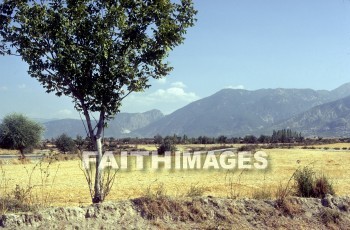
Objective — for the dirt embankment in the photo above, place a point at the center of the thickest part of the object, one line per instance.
(185, 213)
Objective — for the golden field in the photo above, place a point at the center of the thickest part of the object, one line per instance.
(69, 186)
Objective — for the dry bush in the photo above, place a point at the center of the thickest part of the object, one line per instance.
(232, 184)
(323, 186)
(165, 207)
(12, 205)
(158, 192)
(28, 196)
(195, 191)
(21, 161)
(287, 207)
(282, 201)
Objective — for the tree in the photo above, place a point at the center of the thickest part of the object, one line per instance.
(96, 52)
(222, 139)
(250, 139)
(65, 144)
(158, 139)
(168, 144)
(18, 132)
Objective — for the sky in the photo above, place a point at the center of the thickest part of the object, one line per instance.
(242, 44)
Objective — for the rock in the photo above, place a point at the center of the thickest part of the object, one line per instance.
(327, 201)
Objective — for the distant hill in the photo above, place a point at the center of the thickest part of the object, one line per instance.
(233, 112)
(121, 126)
(237, 112)
(327, 120)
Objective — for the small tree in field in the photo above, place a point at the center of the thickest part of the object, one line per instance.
(18, 132)
(167, 145)
(65, 144)
(96, 52)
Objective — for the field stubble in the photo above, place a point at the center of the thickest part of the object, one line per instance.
(70, 187)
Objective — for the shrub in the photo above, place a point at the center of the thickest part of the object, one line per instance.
(304, 179)
(12, 205)
(309, 185)
(323, 187)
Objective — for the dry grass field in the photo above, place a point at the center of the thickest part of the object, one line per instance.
(65, 184)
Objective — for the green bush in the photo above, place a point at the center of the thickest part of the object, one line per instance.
(304, 179)
(308, 184)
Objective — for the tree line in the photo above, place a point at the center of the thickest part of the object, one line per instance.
(279, 136)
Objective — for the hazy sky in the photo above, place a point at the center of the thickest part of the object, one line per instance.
(248, 44)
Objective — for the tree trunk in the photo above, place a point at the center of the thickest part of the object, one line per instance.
(98, 196)
(97, 142)
(22, 154)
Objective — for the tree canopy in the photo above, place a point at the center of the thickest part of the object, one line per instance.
(96, 52)
(65, 144)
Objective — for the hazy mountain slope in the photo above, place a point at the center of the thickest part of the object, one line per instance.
(239, 112)
(330, 119)
(120, 126)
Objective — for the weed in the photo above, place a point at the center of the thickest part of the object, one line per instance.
(167, 208)
(46, 182)
(262, 194)
(108, 178)
(195, 190)
(158, 192)
(232, 185)
(27, 197)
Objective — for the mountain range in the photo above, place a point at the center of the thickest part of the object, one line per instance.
(235, 112)
(120, 126)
